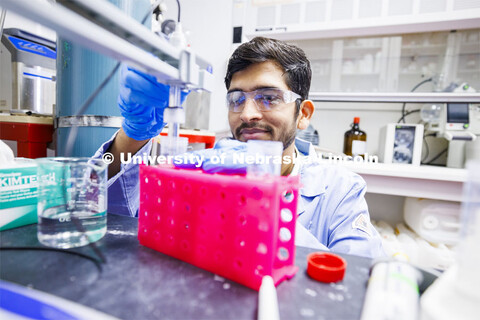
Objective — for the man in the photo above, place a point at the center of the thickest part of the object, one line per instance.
(268, 83)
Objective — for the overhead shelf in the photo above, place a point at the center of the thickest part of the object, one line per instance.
(411, 181)
(395, 97)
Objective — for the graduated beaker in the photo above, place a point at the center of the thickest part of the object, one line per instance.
(72, 201)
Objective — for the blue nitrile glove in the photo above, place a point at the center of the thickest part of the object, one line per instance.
(142, 100)
(223, 151)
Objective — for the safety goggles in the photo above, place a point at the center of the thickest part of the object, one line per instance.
(265, 99)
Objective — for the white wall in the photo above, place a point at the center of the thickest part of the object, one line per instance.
(209, 27)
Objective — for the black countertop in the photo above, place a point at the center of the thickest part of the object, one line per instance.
(139, 283)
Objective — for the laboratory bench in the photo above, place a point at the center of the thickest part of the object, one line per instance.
(139, 283)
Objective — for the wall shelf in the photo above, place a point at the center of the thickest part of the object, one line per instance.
(411, 181)
(361, 74)
(395, 97)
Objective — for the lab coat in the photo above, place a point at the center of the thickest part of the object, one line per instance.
(332, 213)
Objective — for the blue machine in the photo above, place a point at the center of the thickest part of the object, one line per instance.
(27, 61)
(79, 73)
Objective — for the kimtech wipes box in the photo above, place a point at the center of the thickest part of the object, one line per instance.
(18, 193)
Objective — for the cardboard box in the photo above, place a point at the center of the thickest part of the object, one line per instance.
(18, 194)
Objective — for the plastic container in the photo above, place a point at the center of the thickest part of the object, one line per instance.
(239, 228)
(436, 221)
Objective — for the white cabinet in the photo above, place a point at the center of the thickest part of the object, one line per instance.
(309, 19)
(394, 63)
(363, 66)
(390, 45)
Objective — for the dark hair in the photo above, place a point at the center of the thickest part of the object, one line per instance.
(290, 58)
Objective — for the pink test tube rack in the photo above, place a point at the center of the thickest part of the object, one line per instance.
(236, 227)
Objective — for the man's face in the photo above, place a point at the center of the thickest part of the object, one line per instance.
(278, 124)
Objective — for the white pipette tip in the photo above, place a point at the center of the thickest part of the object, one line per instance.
(267, 300)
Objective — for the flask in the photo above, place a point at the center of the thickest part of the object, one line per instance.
(355, 140)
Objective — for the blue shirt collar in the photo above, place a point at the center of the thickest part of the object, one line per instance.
(305, 147)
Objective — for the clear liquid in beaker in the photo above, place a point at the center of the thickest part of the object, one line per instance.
(72, 201)
(70, 229)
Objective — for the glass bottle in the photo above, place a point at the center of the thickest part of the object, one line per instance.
(355, 140)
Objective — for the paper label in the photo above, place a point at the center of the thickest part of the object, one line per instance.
(358, 147)
(18, 187)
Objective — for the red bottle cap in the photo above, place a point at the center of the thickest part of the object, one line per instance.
(356, 120)
(326, 267)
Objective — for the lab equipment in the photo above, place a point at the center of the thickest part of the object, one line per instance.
(430, 113)
(102, 27)
(28, 66)
(31, 134)
(326, 266)
(472, 150)
(392, 292)
(87, 113)
(436, 221)
(455, 294)
(263, 158)
(238, 228)
(459, 124)
(227, 157)
(267, 300)
(355, 140)
(173, 144)
(401, 143)
(72, 201)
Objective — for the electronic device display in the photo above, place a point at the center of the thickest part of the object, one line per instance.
(457, 113)
(401, 143)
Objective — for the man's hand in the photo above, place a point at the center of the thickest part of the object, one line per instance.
(220, 159)
(142, 101)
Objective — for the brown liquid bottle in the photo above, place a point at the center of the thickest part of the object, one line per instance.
(355, 140)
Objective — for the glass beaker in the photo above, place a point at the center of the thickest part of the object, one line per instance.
(72, 201)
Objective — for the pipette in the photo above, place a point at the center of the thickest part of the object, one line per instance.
(174, 115)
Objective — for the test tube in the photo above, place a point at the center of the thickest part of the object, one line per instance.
(264, 157)
(174, 115)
